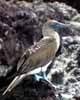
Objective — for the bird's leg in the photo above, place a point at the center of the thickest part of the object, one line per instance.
(38, 77)
(44, 76)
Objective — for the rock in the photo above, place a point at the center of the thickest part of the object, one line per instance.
(74, 25)
(67, 11)
(31, 90)
(19, 27)
(57, 11)
(76, 18)
(4, 70)
(77, 98)
(67, 65)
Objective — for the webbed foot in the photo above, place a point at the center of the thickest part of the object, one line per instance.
(37, 77)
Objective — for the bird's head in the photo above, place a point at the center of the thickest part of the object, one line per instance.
(51, 26)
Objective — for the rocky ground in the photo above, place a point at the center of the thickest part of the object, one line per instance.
(20, 24)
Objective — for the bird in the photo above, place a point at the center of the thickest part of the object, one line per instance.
(37, 56)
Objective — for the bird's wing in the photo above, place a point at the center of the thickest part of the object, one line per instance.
(24, 57)
(39, 58)
(27, 54)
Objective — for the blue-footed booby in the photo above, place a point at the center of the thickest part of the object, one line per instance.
(38, 55)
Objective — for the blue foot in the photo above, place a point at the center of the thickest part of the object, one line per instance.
(37, 77)
(43, 77)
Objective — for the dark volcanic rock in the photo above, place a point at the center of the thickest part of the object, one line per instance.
(31, 90)
(67, 66)
(19, 27)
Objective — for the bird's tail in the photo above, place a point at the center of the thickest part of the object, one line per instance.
(14, 83)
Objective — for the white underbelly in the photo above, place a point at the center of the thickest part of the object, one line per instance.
(39, 69)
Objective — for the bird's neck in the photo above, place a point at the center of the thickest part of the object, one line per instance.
(51, 33)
